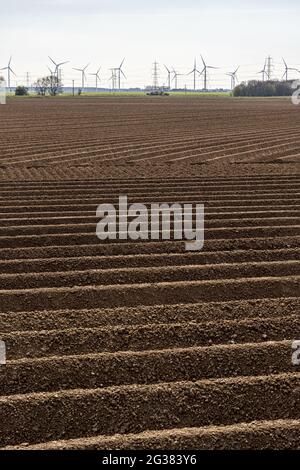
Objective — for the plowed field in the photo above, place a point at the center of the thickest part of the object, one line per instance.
(142, 345)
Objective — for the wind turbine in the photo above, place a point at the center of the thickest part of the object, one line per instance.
(96, 74)
(57, 66)
(175, 77)
(264, 72)
(119, 71)
(234, 78)
(204, 71)
(9, 71)
(83, 75)
(194, 71)
(169, 77)
(287, 70)
(113, 79)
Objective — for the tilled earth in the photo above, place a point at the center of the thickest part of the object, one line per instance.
(142, 345)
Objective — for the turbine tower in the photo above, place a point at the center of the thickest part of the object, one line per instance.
(285, 75)
(195, 71)
(83, 75)
(120, 72)
(169, 77)
(58, 66)
(9, 71)
(113, 79)
(96, 75)
(204, 72)
(234, 77)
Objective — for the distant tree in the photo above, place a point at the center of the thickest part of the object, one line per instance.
(270, 90)
(54, 85)
(41, 86)
(21, 91)
(240, 90)
(2, 81)
(50, 84)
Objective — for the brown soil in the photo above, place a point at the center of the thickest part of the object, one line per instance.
(141, 345)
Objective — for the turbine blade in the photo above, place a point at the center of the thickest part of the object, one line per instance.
(122, 63)
(12, 71)
(86, 66)
(203, 62)
(52, 61)
(123, 74)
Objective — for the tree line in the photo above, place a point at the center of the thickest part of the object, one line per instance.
(267, 88)
(49, 85)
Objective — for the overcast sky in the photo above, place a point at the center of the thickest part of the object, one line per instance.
(102, 32)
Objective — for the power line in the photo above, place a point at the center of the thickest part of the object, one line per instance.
(155, 75)
(269, 67)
